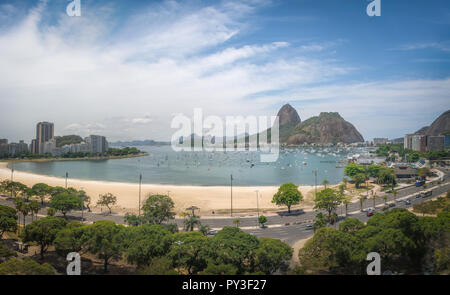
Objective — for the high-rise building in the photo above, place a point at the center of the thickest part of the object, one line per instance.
(418, 143)
(407, 142)
(435, 143)
(4, 147)
(33, 147)
(44, 132)
(17, 148)
(98, 144)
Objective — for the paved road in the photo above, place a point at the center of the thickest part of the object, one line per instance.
(286, 228)
(292, 233)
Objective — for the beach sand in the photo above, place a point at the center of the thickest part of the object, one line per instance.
(207, 198)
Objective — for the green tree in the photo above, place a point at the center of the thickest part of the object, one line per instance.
(27, 266)
(51, 212)
(320, 221)
(353, 169)
(34, 207)
(145, 242)
(158, 266)
(236, 222)
(5, 253)
(325, 182)
(65, 202)
(104, 238)
(262, 220)
(233, 246)
(43, 231)
(219, 269)
(190, 252)
(351, 225)
(70, 239)
(133, 219)
(359, 179)
(272, 255)
(191, 222)
(347, 201)
(158, 209)
(287, 195)
(8, 220)
(42, 190)
(327, 200)
(333, 251)
(22, 207)
(107, 200)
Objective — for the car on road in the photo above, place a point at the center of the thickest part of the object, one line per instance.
(420, 182)
(309, 226)
(426, 194)
(391, 205)
(370, 212)
(211, 232)
(408, 202)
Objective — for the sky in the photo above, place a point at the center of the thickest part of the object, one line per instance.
(124, 69)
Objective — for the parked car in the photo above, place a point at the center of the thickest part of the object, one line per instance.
(408, 202)
(309, 226)
(391, 205)
(369, 213)
(211, 232)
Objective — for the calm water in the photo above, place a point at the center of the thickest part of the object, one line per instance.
(164, 166)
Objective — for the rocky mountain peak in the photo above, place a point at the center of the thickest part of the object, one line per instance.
(288, 115)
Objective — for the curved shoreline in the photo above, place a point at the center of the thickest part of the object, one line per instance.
(207, 198)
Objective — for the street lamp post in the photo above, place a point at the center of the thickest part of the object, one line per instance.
(140, 184)
(82, 204)
(315, 182)
(12, 171)
(67, 175)
(257, 206)
(231, 186)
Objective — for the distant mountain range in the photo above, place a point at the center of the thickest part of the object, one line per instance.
(148, 142)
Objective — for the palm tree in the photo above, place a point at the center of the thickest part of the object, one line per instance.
(347, 201)
(34, 208)
(204, 229)
(191, 222)
(374, 196)
(361, 201)
(236, 222)
(325, 182)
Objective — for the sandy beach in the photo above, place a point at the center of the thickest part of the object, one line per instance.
(207, 198)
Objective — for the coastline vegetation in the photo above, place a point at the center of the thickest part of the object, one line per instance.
(112, 153)
(386, 150)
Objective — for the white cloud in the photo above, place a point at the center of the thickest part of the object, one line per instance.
(125, 79)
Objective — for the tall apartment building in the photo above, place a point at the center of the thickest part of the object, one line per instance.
(419, 143)
(435, 143)
(407, 142)
(4, 147)
(44, 132)
(17, 148)
(98, 144)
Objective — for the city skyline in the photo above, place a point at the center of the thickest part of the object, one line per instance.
(249, 59)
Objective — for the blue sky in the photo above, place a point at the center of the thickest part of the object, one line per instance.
(125, 68)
